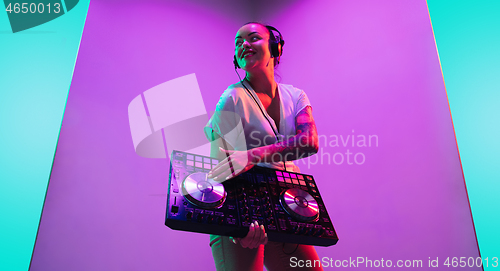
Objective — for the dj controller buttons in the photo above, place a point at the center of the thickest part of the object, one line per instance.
(294, 181)
(207, 166)
(300, 177)
(302, 183)
(214, 162)
(286, 174)
(190, 163)
(190, 157)
(279, 173)
(280, 179)
(293, 175)
(199, 164)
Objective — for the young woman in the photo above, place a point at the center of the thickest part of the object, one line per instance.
(259, 122)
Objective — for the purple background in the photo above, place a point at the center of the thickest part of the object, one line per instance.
(367, 66)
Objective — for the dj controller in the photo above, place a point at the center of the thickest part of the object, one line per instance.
(288, 204)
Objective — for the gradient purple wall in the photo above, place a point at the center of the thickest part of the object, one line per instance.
(368, 67)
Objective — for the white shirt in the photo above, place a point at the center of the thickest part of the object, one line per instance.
(239, 120)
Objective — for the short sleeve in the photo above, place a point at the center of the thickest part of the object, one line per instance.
(225, 122)
(302, 102)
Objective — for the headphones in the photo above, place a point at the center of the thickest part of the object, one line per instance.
(275, 45)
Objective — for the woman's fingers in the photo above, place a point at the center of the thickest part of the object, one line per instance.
(231, 166)
(255, 242)
(263, 236)
(220, 171)
(223, 166)
(247, 240)
(256, 236)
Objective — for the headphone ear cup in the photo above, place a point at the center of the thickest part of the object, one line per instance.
(275, 50)
(235, 62)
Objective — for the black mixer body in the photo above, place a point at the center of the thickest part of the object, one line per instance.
(288, 204)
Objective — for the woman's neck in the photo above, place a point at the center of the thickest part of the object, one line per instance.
(262, 82)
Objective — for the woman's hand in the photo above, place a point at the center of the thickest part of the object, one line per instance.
(235, 163)
(256, 236)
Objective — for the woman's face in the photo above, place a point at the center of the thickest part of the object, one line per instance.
(252, 47)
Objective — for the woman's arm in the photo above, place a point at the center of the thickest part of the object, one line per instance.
(303, 144)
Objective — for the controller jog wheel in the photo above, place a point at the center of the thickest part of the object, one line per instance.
(202, 191)
(299, 204)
